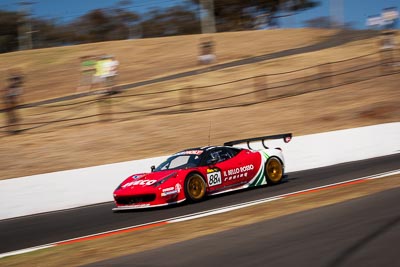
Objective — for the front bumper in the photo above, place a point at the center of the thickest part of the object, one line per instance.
(145, 206)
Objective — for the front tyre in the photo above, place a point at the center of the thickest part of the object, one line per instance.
(195, 187)
(273, 171)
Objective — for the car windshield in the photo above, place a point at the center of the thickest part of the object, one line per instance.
(180, 161)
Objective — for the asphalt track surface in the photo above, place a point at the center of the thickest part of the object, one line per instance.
(35, 230)
(360, 232)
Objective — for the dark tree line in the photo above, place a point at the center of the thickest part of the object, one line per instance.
(235, 15)
(118, 22)
(8, 31)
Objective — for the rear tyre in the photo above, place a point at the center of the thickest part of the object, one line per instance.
(195, 188)
(273, 171)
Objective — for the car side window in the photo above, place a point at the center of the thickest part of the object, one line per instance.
(220, 154)
(233, 151)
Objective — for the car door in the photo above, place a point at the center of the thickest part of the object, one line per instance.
(249, 163)
(223, 169)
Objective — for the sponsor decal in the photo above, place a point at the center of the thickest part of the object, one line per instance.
(173, 190)
(141, 205)
(287, 139)
(178, 187)
(165, 194)
(212, 170)
(190, 152)
(214, 178)
(237, 173)
(138, 176)
(139, 182)
(168, 189)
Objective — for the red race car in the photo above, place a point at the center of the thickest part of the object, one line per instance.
(193, 174)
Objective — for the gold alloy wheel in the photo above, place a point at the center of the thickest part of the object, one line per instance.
(196, 187)
(274, 170)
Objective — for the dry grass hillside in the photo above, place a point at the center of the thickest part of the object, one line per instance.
(134, 135)
(55, 71)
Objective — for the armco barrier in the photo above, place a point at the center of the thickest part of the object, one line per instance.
(79, 187)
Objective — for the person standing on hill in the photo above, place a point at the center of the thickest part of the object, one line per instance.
(100, 71)
(106, 70)
(207, 51)
(88, 64)
(110, 77)
(11, 97)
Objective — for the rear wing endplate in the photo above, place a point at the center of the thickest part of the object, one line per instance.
(286, 138)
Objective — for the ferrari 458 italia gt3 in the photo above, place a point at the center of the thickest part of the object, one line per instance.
(195, 173)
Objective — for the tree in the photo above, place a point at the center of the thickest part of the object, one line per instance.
(233, 15)
(9, 31)
(94, 26)
(319, 22)
(325, 23)
(97, 25)
(123, 21)
(118, 22)
(47, 33)
(176, 20)
(104, 25)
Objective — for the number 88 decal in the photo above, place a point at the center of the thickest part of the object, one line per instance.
(214, 178)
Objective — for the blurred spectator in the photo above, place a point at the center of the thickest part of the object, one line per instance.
(388, 47)
(88, 69)
(100, 70)
(12, 93)
(111, 72)
(207, 55)
(388, 40)
(106, 73)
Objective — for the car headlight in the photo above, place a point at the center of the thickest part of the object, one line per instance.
(163, 180)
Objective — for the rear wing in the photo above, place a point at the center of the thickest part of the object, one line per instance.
(286, 138)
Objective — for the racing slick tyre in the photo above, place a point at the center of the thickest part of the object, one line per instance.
(195, 187)
(273, 171)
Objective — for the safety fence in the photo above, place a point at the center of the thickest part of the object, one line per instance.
(130, 104)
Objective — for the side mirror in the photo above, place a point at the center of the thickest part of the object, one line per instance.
(153, 168)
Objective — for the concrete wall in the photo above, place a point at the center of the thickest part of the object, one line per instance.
(79, 187)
